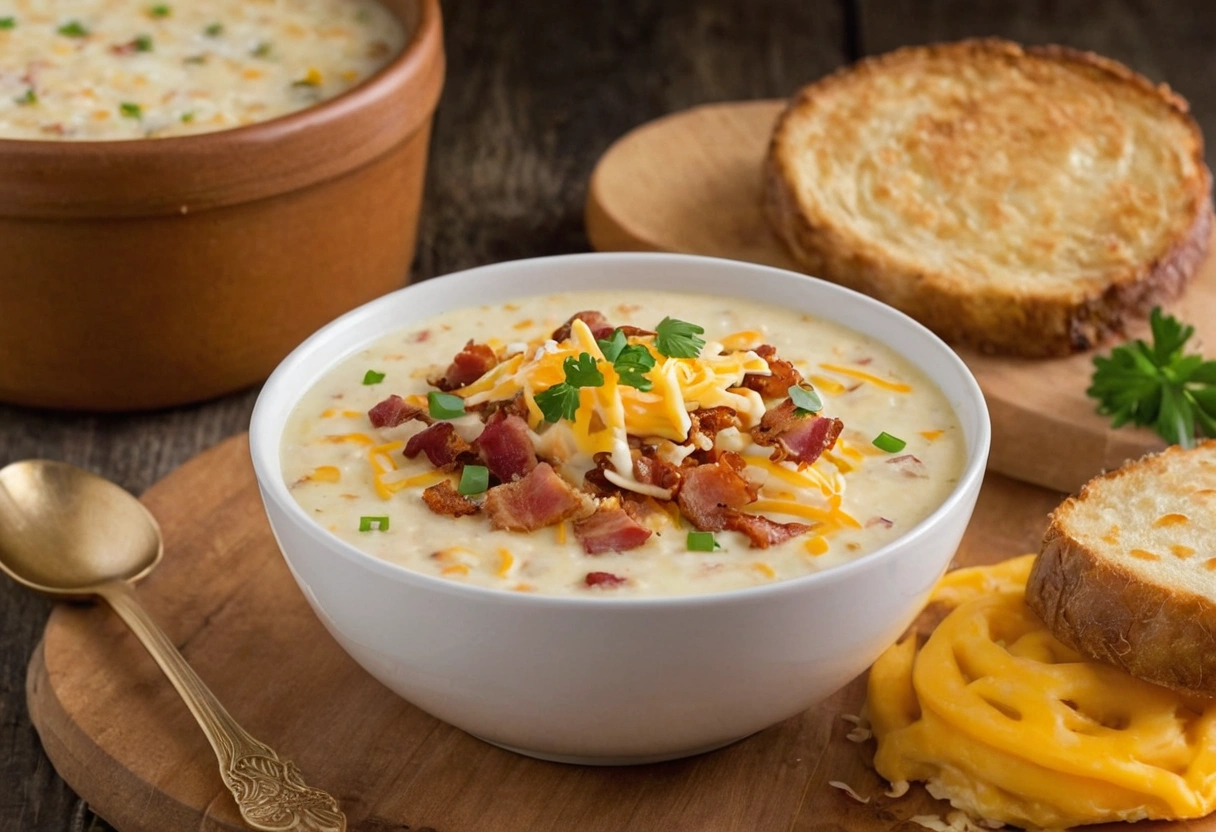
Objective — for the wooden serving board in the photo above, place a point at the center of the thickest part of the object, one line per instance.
(692, 183)
(118, 734)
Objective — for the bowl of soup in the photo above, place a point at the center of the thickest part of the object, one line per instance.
(191, 189)
(619, 508)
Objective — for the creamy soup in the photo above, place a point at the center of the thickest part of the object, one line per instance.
(689, 462)
(130, 69)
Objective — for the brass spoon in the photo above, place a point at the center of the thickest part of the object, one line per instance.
(70, 534)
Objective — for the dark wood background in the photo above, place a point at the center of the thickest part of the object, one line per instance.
(535, 92)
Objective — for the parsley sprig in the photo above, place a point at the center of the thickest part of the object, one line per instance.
(678, 339)
(1157, 385)
(561, 400)
(631, 361)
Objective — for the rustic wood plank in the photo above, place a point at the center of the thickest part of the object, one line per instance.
(1165, 41)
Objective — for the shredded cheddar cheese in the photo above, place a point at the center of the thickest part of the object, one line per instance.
(862, 375)
(1012, 726)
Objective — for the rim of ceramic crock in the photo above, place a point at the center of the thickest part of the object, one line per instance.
(153, 177)
(265, 438)
(406, 63)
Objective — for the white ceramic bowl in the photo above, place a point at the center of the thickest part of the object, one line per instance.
(615, 680)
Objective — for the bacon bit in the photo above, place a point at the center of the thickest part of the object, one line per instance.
(542, 498)
(709, 490)
(442, 445)
(421, 336)
(650, 470)
(604, 579)
(394, 411)
(506, 446)
(610, 529)
(443, 499)
(879, 521)
(783, 377)
(800, 438)
(128, 48)
(847, 789)
(761, 531)
(910, 466)
(708, 422)
(595, 321)
(468, 365)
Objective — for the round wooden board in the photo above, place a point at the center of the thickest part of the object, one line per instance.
(118, 734)
(692, 183)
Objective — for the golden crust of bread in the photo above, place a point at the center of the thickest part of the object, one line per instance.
(1025, 201)
(1109, 582)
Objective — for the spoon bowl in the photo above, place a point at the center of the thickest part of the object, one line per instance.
(70, 534)
(64, 532)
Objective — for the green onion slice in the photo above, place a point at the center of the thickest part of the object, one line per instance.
(805, 400)
(891, 444)
(444, 405)
(367, 524)
(474, 479)
(372, 377)
(702, 542)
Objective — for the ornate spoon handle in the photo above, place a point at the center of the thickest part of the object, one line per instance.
(269, 792)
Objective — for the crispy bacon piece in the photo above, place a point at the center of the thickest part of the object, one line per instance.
(514, 406)
(610, 529)
(709, 491)
(442, 498)
(604, 579)
(395, 411)
(707, 422)
(784, 375)
(650, 470)
(595, 321)
(761, 531)
(506, 447)
(441, 443)
(540, 499)
(800, 438)
(470, 364)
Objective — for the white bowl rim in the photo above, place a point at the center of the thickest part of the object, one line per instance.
(273, 487)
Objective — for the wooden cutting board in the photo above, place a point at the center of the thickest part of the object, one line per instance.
(692, 183)
(117, 733)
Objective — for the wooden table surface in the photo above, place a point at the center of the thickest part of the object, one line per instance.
(535, 92)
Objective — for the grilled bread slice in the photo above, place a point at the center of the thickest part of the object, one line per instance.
(1127, 572)
(1024, 201)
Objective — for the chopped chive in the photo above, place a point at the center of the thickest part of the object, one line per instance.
(444, 405)
(702, 542)
(187, 117)
(131, 110)
(806, 400)
(474, 479)
(160, 10)
(73, 29)
(214, 30)
(262, 50)
(8, 22)
(143, 43)
(891, 444)
(30, 97)
(367, 524)
(195, 59)
(372, 377)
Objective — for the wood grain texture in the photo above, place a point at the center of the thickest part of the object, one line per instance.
(535, 93)
(117, 731)
(691, 182)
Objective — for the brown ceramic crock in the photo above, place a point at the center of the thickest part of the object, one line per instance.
(140, 274)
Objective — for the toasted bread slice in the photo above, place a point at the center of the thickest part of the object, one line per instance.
(1127, 572)
(1024, 201)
